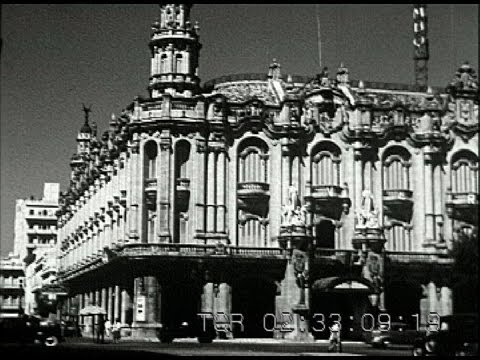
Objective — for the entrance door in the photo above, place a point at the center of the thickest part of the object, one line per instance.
(346, 307)
(253, 298)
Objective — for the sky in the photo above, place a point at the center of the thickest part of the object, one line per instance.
(56, 57)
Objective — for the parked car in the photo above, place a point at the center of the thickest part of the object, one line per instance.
(70, 329)
(398, 334)
(457, 336)
(30, 329)
(202, 329)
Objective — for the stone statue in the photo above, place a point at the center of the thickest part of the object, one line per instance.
(288, 212)
(367, 215)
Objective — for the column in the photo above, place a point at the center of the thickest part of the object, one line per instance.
(222, 303)
(200, 188)
(116, 305)
(211, 167)
(438, 202)
(104, 300)
(135, 193)
(358, 176)
(110, 304)
(446, 302)
(163, 189)
(286, 181)
(147, 300)
(429, 216)
(126, 305)
(221, 191)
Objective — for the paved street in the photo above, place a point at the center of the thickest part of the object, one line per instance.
(241, 347)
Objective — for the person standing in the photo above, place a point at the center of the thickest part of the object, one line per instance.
(108, 328)
(116, 331)
(101, 330)
(335, 341)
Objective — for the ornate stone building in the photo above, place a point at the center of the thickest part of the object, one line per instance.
(259, 193)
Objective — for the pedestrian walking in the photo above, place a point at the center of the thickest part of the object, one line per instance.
(335, 341)
(101, 330)
(116, 331)
(108, 328)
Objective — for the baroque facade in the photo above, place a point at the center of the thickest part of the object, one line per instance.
(255, 194)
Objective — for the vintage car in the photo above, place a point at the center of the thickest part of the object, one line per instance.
(202, 329)
(398, 334)
(457, 335)
(27, 329)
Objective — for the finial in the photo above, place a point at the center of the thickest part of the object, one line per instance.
(86, 111)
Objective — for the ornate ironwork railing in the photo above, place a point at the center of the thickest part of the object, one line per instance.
(417, 257)
(253, 186)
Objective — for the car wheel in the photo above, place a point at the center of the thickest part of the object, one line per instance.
(51, 341)
(204, 340)
(417, 351)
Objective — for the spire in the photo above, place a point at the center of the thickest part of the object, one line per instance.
(174, 48)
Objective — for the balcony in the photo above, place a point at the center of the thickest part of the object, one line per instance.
(37, 217)
(327, 200)
(38, 231)
(253, 196)
(463, 206)
(151, 192)
(182, 193)
(398, 203)
(417, 257)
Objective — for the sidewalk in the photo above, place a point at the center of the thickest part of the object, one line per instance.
(89, 339)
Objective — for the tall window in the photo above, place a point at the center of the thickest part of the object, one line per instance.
(182, 155)
(179, 63)
(253, 167)
(464, 172)
(163, 64)
(182, 187)
(253, 161)
(325, 167)
(396, 169)
(151, 159)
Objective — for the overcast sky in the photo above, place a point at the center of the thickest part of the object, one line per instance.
(54, 57)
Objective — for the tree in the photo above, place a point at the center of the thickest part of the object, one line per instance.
(465, 273)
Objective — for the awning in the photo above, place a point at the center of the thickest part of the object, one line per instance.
(343, 284)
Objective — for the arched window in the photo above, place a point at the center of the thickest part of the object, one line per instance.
(396, 169)
(464, 172)
(325, 234)
(182, 186)
(163, 64)
(182, 154)
(253, 161)
(253, 178)
(150, 156)
(325, 161)
(179, 63)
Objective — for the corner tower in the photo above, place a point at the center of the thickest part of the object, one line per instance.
(174, 48)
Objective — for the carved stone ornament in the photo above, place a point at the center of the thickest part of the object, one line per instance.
(367, 215)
